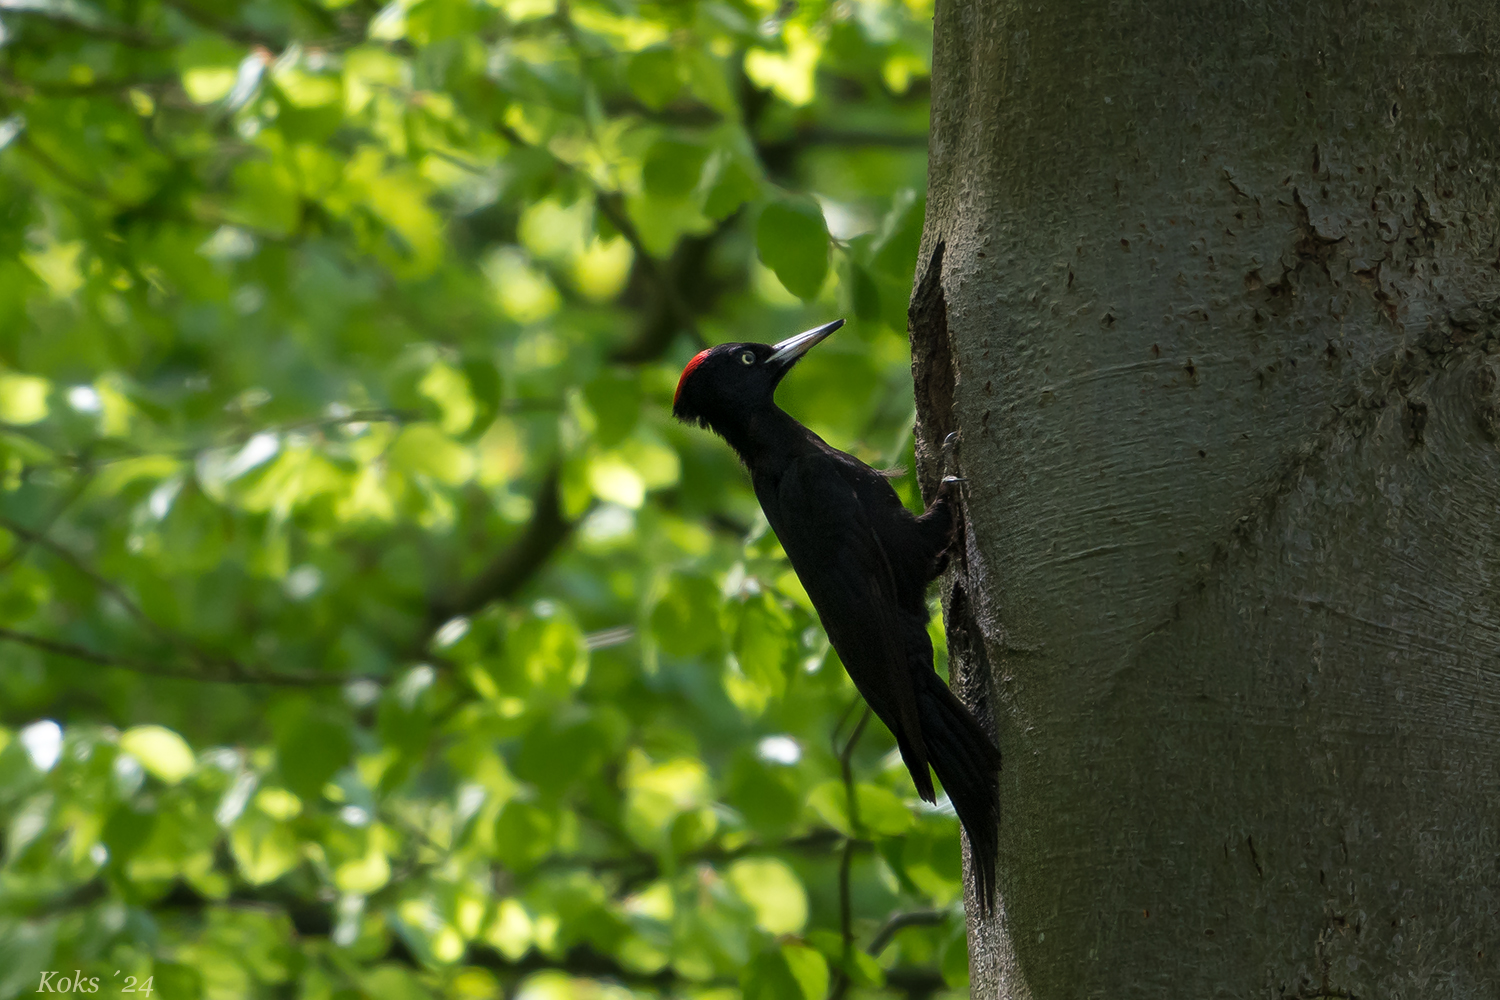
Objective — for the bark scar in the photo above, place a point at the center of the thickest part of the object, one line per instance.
(934, 375)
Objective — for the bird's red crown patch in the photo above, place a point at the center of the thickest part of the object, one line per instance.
(686, 371)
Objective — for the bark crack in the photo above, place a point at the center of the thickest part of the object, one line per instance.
(934, 375)
(1471, 333)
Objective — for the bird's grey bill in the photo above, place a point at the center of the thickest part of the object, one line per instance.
(793, 348)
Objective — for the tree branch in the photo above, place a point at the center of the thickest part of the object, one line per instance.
(210, 667)
(611, 205)
(897, 922)
(509, 571)
(25, 89)
(24, 544)
(108, 32)
(59, 648)
(215, 23)
(846, 857)
(100, 582)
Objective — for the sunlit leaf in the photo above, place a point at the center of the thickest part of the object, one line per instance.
(263, 848)
(23, 398)
(878, 809)
(426, 450)
(773, 891)
(160, 751)
(786, 972)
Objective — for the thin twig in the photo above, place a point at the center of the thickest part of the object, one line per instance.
(25, 89)
(846, 858)
(611, 206)
(83, 653)
(62, 173)
(24, 543)
(244, 434)
(211, 666)
(897, 922)
(109, 32)
(213, 22)
(99, 580)
(504, 576)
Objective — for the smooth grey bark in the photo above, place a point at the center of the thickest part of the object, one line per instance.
(1211, 289)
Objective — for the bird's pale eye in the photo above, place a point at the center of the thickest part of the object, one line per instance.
(747, 357)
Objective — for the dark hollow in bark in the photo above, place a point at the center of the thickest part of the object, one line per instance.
(1212, 291)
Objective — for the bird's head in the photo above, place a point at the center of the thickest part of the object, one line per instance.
(725, 384)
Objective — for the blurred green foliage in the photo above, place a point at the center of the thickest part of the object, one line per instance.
(369, 628)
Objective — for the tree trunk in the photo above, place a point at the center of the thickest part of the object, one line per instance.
(1212, 291)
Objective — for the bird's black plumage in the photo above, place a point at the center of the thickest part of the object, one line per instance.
(865, 561)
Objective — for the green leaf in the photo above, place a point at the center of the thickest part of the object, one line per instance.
(510, 930)
(125, 830)
(447, 387)
(23, 398)
(161, 752)
(524, 834)
(685, 621)
(894, 252)
(731, 180)
(953, 960)
(173, 980)
(290, 361)
(709, 82)
(263, 848)
(658, 793)
(310, 751)
(424, 449)
(763, 643)
(654, 76)
(26, 946)
(560, 750)
(880, 811)
(209, 65)
(829, 801)
(766, 795)
(786, 972)
(266, 196)
(792, 239)
(672, 167)
(367, 869)
(545, 652)
(773, 891)
(612, 478)
(866, 971)
(615, 399)
(863, 292)
(808, 968)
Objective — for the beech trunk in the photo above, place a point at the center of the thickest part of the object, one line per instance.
(1211, 291)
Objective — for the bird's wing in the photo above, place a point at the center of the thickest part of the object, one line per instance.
(842, 564)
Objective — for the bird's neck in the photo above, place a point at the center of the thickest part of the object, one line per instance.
(768, 436)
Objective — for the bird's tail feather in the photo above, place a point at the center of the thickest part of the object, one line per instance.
(968, 765)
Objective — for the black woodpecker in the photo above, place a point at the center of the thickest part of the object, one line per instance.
(865, 561)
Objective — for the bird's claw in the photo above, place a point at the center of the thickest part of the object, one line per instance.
(950, 455)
